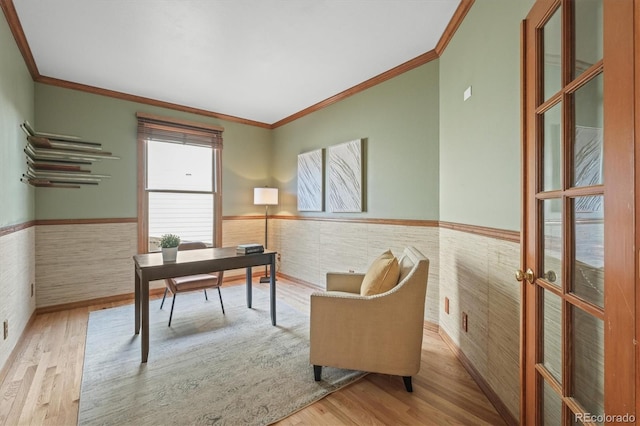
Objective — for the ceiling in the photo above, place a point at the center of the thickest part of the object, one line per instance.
(259, 60)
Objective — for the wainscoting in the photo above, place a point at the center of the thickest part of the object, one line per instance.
(310, 248)
(77, 262)
(472, 267)
(17, 273)
(477, 276)
(85, 261)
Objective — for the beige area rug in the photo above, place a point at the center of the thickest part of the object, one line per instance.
(207, 368)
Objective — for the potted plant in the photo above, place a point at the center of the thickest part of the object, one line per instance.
(169, 244)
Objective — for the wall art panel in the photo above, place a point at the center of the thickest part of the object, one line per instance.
(345, 177)
(310, 181)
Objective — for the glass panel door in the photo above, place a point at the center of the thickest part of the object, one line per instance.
(571, 141)
(567, 189)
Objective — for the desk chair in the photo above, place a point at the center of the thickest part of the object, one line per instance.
(192, 282)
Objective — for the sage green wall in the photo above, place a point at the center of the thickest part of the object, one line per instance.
(399, 120)
(16, 106)
(480, 138)
(112, 122)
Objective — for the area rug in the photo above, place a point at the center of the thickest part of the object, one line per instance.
(207, 368)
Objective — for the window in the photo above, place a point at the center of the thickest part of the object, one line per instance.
(179, 181)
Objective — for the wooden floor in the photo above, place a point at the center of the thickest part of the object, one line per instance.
(42, 386)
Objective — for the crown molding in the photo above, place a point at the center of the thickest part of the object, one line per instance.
(456, 21)
(147, 101)
(387, 75)
(429, 56)
(18, 34)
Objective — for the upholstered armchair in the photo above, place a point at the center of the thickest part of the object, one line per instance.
(380, 333)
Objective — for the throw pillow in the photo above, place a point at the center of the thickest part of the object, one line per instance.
(382, 275)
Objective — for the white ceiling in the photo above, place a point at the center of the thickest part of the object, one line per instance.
(261, 60)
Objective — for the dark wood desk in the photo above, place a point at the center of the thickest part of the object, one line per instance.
(149, 267)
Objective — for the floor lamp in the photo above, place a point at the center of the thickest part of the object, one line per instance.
(265, 197)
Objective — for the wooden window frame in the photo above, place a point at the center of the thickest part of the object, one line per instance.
(188, 132)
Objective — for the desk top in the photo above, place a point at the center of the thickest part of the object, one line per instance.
(189, 262)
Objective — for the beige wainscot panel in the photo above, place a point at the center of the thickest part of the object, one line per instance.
(504, 322)
(243, 231)
(79, 262)
(425, 239)
(476, 274)
(311, 248)
(17, 273)
(299, 245)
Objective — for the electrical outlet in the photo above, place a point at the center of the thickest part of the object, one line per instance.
(465, 322)
(446, 305)
(6, 329)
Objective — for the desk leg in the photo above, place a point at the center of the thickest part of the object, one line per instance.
(272, 289)
(249, 288)
(144, 289)
(137, 309)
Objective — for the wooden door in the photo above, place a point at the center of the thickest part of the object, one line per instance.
(579, 207)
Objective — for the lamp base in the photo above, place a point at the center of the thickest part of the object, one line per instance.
(265, 280)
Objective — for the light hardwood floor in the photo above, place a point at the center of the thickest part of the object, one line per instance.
(42, 385)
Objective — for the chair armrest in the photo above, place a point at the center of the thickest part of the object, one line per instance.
(344, 281)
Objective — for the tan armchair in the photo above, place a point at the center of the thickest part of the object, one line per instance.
(380, 333)
(192, 282)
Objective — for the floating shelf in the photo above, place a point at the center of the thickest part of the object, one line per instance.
(61, 161)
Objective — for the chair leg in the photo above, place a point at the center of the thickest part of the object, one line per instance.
(407, 383)
(221, 304)
(317, 372)
(205, 295)
(171, 313)
(165, 295)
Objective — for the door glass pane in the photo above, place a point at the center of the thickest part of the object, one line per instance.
(588, 362)
(552, 240)
(190, 216)
(552, 344)
(551, 406)
(552, 55)
(588, 34)
(587, 146)
(552, 178)
(588, 230)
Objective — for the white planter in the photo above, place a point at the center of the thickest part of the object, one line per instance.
(169, 254)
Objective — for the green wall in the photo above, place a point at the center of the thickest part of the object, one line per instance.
(480, 138)
(429, 155)
(112, 122)
(16, 106)
(399, 121)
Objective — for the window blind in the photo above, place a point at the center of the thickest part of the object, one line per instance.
(161, 129)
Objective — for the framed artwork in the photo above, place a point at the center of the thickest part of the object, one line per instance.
(344, 163)
(310, 181)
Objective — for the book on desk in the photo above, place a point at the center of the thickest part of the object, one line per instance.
(249, 248)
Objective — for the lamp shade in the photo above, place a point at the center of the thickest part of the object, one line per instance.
(265, 196)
